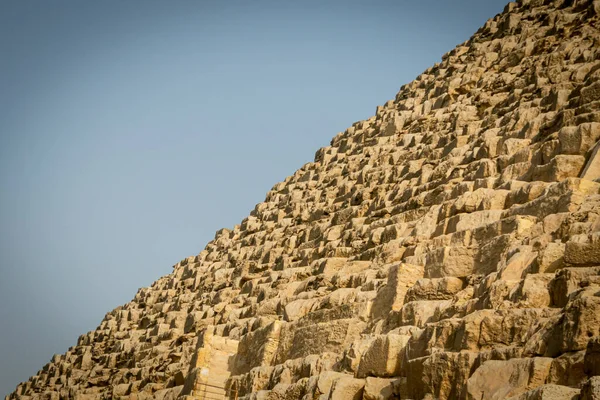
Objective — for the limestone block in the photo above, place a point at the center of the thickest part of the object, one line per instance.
(568, 281)
(591, 361)
(560, 168)
(551, 258)
(592, 167)
(302, 339)
(392, 125)
(330, 266)
(159, 330)
(418, 313)
(168, 394)
(568, 370)
(86, 360)
(258, 348)
(334, 233)
(347, 388)
(441, 375)
(384, 357)
(579, 139)
(549, 392)
(496, 379)
(591, 389)
(487, 328)
(255, 380)
(352, 267)
(558, 99)
(391, 297)
(435, 289)
(120, 390)
(590, 93)
(379, 388)
(579, 322)
(533, 291)
(455, 261)
(470, 221)
(326, 379)
(582, 253)
(491, 199)
(299, 308)
(519, 262)
(194, 321)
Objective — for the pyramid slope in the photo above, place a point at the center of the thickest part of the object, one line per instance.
(446, 247)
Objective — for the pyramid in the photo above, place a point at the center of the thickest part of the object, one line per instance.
(446, 248)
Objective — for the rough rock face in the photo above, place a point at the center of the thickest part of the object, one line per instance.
(448, 247)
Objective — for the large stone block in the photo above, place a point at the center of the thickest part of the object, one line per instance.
(549, 392)
(419, 313)
(498, 379)
(592, 168)
(441, 375)
(582, 253)
(455, 261)
(579, 139)
(591, 389)
(299, 340)
(384, 357)
(435, 289)
(381, 389)
(572, 330)
(258, 348)
(391, 297)
(347, 388)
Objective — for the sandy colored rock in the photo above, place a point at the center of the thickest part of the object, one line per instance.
(497, 379)
(445, 248)
(347, 388)
(379, 389)
(549, 392)
(591, 389)
(384, 357)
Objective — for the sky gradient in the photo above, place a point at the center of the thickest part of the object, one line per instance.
(130, 131)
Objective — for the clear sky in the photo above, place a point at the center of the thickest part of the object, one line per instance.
(132, 130)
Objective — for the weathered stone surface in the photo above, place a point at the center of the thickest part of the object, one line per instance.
(448, 247)
(384, 357)
(258, 348)
(582, 253)
(591, 389)
(592, 168)
(549, 392)
(591, 362)
(380, 389)
(391, 297)
(497, 379)
(347, 388)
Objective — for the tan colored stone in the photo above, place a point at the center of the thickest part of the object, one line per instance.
(440, 249)
(549, 392)
(258, 348)
(379, 389)
(347, 388)
(455, 261)
(578, 140)
(582, 253)
(391, 297)
(592, 168)
(384, 357)
(496, 379)
(591, 389)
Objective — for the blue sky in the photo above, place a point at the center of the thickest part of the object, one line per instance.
(132, 130)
